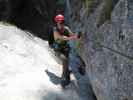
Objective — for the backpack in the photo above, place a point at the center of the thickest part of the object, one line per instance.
(50, 35)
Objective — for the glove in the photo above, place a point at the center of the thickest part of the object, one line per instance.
(79, 34)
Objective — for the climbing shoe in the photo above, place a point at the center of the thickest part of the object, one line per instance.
(65, 78)
(81, 70)
(64, 83)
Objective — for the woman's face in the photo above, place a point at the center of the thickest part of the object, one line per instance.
(60, 25)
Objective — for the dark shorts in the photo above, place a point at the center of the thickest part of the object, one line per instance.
(61, 50)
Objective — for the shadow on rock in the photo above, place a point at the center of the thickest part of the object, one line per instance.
(85, 89)
(67, 95)
(53, 78)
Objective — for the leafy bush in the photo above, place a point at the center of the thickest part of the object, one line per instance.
(106, 13)
(89, 5)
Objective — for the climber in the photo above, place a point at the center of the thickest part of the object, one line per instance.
(62, 34)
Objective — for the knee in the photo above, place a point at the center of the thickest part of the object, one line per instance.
(64, 58)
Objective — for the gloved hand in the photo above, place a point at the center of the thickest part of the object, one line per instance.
(79, 34)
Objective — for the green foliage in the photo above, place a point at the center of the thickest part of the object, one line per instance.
(78, 44)
(106, 13)
(60, 2)
(89, 5)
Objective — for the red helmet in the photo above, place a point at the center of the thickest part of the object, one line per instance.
(59, 18)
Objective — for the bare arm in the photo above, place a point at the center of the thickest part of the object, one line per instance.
(57, 36)
(73, 36)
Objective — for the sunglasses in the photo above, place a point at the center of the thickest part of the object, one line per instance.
(60, 22)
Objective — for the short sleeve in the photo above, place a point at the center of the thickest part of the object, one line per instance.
(55, 29)
(68, 29)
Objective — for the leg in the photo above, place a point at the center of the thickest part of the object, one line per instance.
(66, 73)
(63, 55)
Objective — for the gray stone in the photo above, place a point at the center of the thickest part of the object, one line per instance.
(107, 48)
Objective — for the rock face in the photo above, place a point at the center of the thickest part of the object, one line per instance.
(106, 45)
(31, 15)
